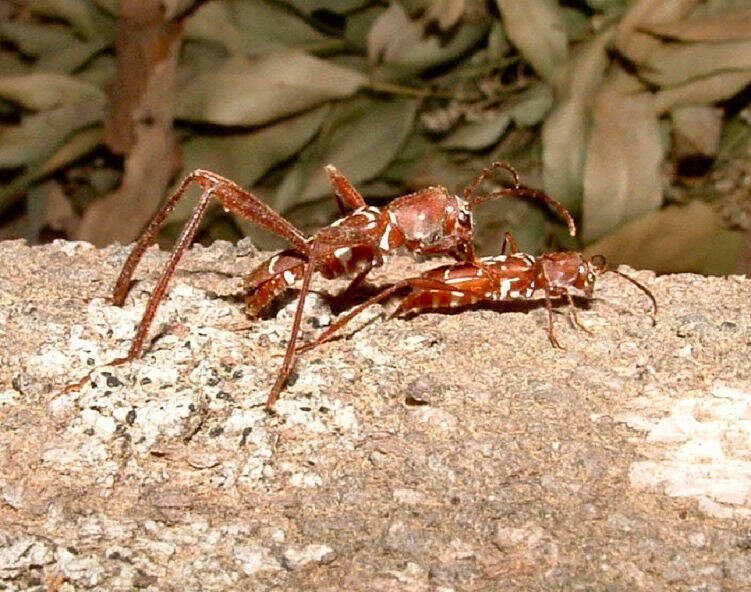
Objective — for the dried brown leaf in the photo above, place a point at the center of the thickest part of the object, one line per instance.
(733, 25)
(537, 29)
(624, 156)
(677, 63)
(690, 238)
(709, 89)
(527, 108)
(564, 133)
(697, 129)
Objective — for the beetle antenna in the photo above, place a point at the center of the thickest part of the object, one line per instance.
(598, 262)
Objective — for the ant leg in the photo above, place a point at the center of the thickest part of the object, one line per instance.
(326, 242)
(526, 192)
(183, 241)
(574, 318)
(551, 333)
(345, 192)
(415, 283)
(469, 189)
(353, 285)
(232, 197)
(289, 355)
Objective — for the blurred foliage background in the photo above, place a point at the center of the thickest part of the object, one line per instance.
(634, 114)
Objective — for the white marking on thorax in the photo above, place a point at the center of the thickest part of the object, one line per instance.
(392, 218)
(289, 277)
(384, 244)
(505, 287)
(496, 259)
(272, 263)
(344, 254)
(457, 280)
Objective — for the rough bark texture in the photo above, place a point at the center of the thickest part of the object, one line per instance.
(442, 452)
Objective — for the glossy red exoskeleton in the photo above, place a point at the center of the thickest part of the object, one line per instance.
(426, 222)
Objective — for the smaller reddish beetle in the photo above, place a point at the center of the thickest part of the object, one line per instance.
(514, 277)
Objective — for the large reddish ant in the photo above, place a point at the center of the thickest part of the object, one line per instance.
(426, 222)
(513, 277)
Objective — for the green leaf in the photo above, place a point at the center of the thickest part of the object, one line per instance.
(359, 24)
(11, 64)
(360, 137)
(622, 171)
(35, 40)
(70, 58)
(402, 46)
(537, 28)
(691, 238)
(564, 133)
(525, 109)
(253, 27)
(78, 13)
(678, 63)
(40, 134)
(47, 90)
(111, 7)
(99, 71)
(245, 158)
(604, 5)
(74, 148)
(262, 22)
(253, 92)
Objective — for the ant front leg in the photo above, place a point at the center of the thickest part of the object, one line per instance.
(551, 331)
(324, 244)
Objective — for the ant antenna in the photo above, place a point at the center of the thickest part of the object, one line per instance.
(469, 189)
(601, 266)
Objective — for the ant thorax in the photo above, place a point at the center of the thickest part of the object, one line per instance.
(429, 216)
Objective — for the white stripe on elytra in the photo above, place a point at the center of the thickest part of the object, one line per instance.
(272, 262)
(384, 244)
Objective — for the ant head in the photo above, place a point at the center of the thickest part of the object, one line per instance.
(586, 274)
(567, 271)
(599, 264)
